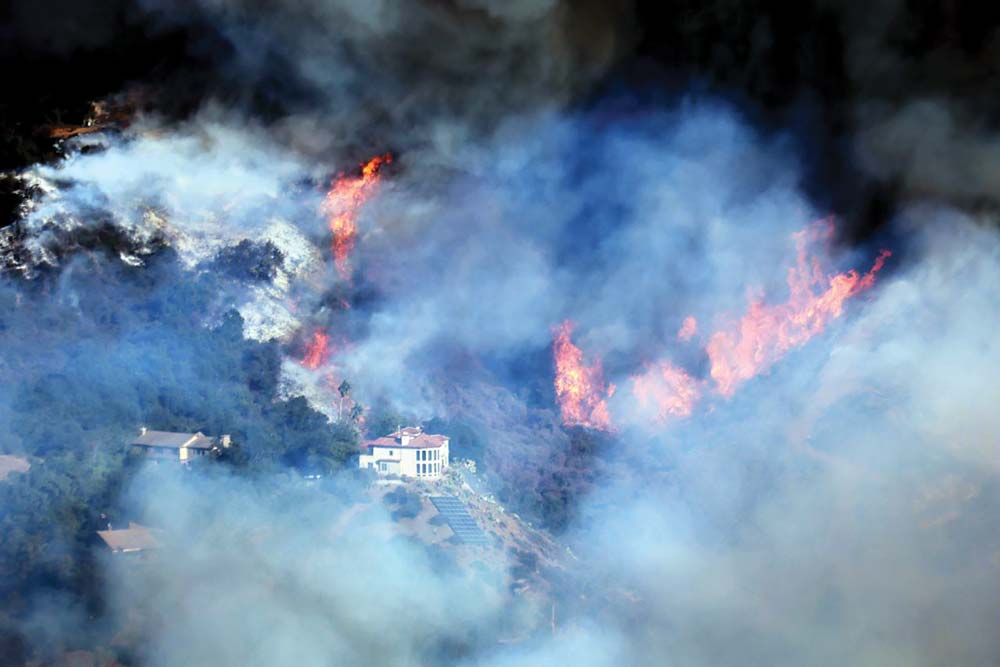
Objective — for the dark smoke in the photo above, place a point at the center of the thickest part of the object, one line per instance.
(621, 165)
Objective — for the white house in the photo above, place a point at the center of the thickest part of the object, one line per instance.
(181, 447)
(133, 539)
(409, 452)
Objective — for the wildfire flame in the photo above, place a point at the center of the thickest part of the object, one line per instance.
(688, 329)
(750, 347)
(666, 391)
(580, 389)
(317, 350)
(341, 206)
(766, 332)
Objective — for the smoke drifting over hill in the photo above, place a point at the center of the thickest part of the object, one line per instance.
(642, 182)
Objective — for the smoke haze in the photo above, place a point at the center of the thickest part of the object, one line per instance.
(839, 507)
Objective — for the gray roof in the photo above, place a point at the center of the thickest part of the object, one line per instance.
(176, 440)
(133, 538)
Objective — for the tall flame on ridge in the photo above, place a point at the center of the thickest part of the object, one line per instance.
(341, 206)
(767, 331)
(751, 346)
(580, 389)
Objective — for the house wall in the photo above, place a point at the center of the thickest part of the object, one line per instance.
(408, 462)
(171, 453)
(159, 452)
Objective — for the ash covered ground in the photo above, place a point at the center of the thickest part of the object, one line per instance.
(704, 296)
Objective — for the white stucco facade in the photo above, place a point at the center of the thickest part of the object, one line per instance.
(408, 453)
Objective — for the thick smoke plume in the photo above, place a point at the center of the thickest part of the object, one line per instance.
(834, 504)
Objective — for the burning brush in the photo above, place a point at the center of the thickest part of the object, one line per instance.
(738, 352)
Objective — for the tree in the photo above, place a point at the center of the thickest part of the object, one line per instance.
(345, 391)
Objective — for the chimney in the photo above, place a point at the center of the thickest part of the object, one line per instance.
(142, 431)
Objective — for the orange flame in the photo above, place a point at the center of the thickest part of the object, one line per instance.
(580, 390)
(766, 332)
(666, 391)
(688, 329)
(750, 347)
(341, 205)
(317, 350)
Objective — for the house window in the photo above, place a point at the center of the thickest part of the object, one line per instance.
(382, 467)
(390, 452)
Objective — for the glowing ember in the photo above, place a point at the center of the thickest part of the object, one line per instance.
(317, 350)
(766, 332)
(688, 329)
(580, 390)
(665, 391)
(341, 206)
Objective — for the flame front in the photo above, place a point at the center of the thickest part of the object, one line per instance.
(766, 332)
(666, 391)
(317, 350)
(341, 206)
(580, 389)
(751, 346)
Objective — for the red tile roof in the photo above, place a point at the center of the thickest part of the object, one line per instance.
(421, 441)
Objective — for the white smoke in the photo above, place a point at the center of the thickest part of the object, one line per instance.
(839, 509)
